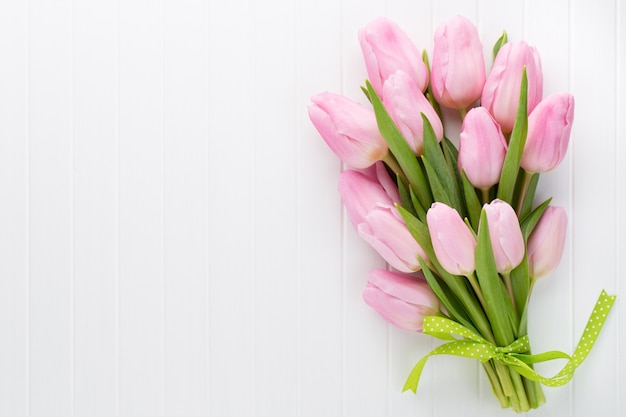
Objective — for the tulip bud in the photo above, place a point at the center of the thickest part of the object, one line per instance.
(386, 49)
(378, 173)
(405, 102)
(482, 148)
(458, 66)
(389, 236)
(360, 195)
(549, 127)
(546, 242)
(453, 241)
(505, 234)
(502, 88)
(348, 128)
(400, 299)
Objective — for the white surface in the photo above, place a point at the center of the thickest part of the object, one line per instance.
(171, 239)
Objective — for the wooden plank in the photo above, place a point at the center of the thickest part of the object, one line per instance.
(141, 212)
(185, 101)
(14, 174)
(95, 219)
(51, 204)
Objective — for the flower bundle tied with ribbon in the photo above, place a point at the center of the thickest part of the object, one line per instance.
(457, 223)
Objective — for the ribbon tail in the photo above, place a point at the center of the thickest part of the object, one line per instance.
(464, 348)
(595, 323)
(414, 377)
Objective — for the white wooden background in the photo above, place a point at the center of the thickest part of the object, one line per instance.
(171, 239)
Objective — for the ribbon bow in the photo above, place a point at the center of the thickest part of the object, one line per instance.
(515, 355)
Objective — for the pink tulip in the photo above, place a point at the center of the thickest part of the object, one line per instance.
(458, 66)
(549, 127)
(389, 236)
(386, 49)
(501, 91)
(400, 299)
(505, 234)
(482, 148)
(348, 128)
(405, 102)
(360, 195)
(453, 241)
(378, 173)
(546, 242)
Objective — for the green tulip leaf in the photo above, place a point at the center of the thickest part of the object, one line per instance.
(405, 197)
(527, 204)
(440, 192)
(517, 141)
(400, 149)
(367, 94)
(442, 169)
(499, 44)
(446, 297)
(520, 281)
(420, 211)
(429, 89)
(451, 154)
(529, 222)
(472, 202)
(494, 292)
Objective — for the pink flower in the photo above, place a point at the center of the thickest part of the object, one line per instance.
(501, 91)
(348, 128)
(458, 66)
(389, 236)
(360, 195)
(378, 173)
(405, 102)
(482, 148)
(453, 241)
(549, 127)
(400, 299)
(546, 242)
(505, 234)
(386, 49)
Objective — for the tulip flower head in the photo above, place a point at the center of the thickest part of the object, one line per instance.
(389, 236)
(379, 174)
(360, 194)
(502, 87)
(453, 241)
(348, 128)
(458, 66)
(405, 102)
(386, 49)
(505, 234)
(400, 299)
(549, 128)
(482, 148)
(546, 242)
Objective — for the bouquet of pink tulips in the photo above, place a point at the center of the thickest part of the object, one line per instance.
(458, 225)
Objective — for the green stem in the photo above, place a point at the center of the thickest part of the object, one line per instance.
(462, 112)
(541, 397)
(495, 385)
(392, 163)
(526, 177)
(520, 390)
(531, 391)
(472, 279)
(505, 380)
(509, 288)
(484, 195)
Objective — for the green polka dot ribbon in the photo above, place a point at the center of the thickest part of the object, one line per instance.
(515, 355)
